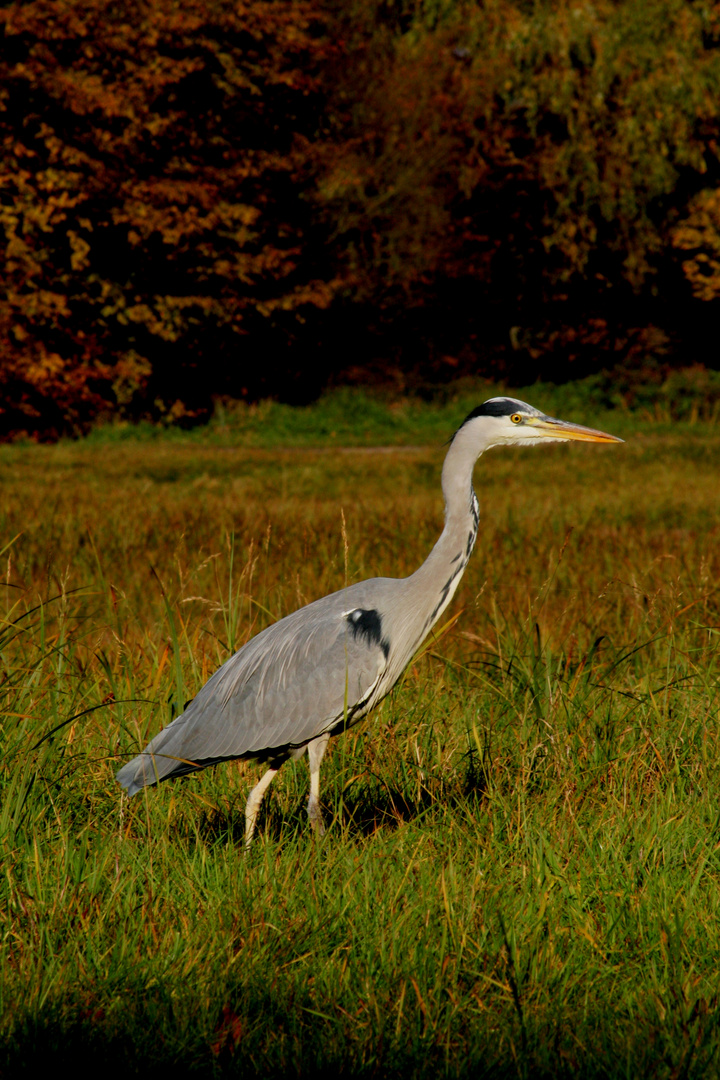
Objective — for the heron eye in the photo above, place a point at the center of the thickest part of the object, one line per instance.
(516, 418)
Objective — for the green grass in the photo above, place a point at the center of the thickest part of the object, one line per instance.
(521, 871)
(683, 401)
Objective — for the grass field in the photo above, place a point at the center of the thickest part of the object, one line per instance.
(521, 870)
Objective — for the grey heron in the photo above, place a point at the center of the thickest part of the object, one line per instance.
(321, 669)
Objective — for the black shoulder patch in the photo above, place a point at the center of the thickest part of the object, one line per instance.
(368, 624)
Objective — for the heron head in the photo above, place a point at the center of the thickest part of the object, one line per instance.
(505, 421)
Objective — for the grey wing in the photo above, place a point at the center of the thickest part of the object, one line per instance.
(291, 683)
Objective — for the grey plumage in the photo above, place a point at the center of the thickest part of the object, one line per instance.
(325, 666)
(285, 687)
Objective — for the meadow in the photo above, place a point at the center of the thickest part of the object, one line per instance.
(520, 875)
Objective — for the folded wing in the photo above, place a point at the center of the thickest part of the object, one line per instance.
(297, 679)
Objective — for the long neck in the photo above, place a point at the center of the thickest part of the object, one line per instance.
(434, 584)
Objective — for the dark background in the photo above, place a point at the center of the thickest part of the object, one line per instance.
(215, 200)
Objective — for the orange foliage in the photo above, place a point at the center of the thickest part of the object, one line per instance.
(186, 184)
(699, 233)
(539, 152)
(600, 106)
(151, 181)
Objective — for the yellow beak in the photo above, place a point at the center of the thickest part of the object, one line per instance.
(560, 429)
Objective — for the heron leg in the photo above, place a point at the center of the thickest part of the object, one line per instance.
(316, 750)
(252, 806)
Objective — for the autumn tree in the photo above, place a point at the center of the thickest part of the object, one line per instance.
(153, 167)
(531, 172)
(209, 197)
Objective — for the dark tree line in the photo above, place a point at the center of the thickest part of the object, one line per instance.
(203, 198)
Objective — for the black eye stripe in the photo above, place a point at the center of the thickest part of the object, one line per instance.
(501, 407)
